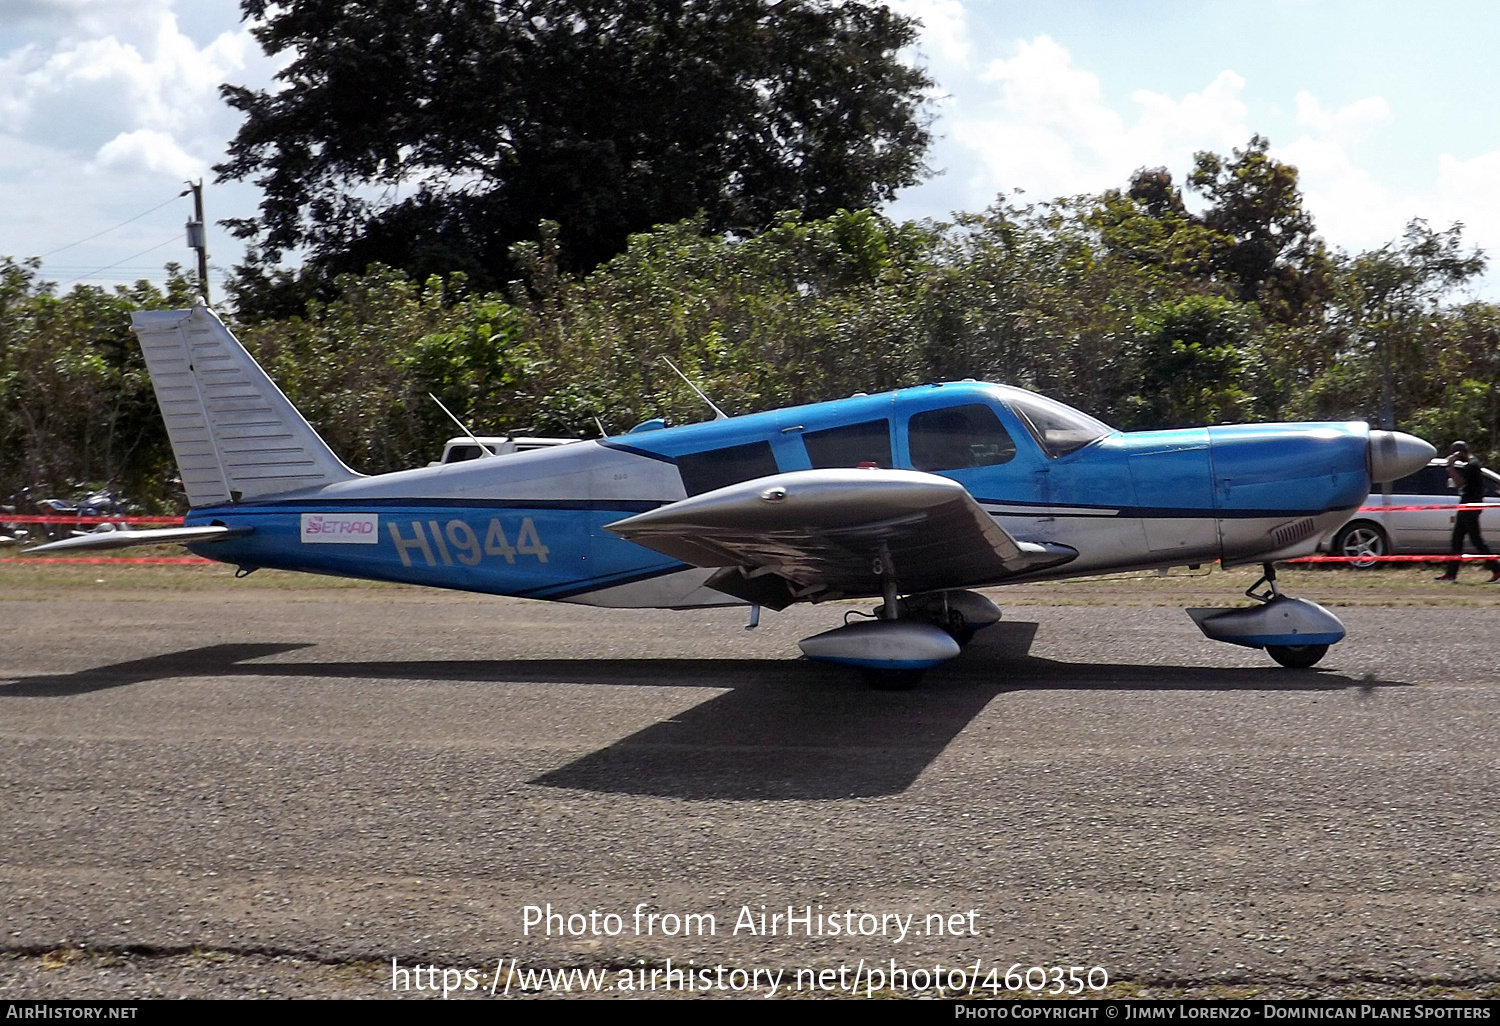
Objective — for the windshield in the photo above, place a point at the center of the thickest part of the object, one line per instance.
(1058, 429)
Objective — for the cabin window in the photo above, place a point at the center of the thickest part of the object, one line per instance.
(1058, 429)
(850, 445)
(718, 468)
(957, 438)
(1427, 481)
(462, 453)
(1435, 481)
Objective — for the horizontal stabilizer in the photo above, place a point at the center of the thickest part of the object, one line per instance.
(125, 539)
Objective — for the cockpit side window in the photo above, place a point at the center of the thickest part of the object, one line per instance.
(1058, 429)
(957, 438)
(719, 468)
(850, 445)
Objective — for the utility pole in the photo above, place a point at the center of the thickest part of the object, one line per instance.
(197, 235)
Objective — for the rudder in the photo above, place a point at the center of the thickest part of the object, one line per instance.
(235, 434)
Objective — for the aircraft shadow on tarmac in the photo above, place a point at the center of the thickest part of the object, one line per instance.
(782, 729)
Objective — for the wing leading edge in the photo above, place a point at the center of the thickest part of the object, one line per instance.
(812, 535)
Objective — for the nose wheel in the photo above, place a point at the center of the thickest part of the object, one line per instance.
(1297, 657)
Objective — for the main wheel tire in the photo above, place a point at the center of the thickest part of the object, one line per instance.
(892, 680)
(957, 629)
(1298, 657)
(1361, 538)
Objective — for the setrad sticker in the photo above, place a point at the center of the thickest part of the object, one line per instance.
(341, 528)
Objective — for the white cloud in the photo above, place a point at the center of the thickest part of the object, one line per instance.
(1353, 210)
(1042, 124)
(1356, 210)
(1349, 121)
(1047, 129)
(1469, 191)
(146, 149)
(105, 107)
(82, 93)
(945, 30)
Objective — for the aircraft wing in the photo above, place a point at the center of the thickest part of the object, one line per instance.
(824, 534)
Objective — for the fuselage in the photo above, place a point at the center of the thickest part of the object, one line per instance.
(532, 524)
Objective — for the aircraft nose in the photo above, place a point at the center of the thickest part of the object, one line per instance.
(1395, 454)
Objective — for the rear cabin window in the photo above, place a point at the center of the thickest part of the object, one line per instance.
(850, 445)
(717, 468)
(957, 438)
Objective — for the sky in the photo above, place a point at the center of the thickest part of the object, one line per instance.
(107, 107)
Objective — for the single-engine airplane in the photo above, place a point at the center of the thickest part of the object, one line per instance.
(914, 497)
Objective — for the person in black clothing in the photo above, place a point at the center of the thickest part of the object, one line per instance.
(1465, 470)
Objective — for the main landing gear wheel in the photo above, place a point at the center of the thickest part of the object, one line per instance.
(892, 680)
(1361, 538)
(1298, 657)
(959, 630)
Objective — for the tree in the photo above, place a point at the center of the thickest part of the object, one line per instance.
(1272, 256)
(1386, 318)
(431, 135)
(76, 405)
(1193, 358)
(1148, 223)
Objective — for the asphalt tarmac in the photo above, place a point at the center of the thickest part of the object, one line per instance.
(226, 792)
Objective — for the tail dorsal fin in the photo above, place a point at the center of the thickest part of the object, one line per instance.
(234, 433)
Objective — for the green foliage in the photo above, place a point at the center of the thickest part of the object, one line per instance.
(803, 311)
(361, 368)
(1390, 347)
(76, 405)
(1193, 357)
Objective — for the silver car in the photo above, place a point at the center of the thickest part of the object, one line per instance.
(1425, 532)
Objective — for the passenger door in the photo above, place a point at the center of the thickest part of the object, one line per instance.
(982, 448)
(1421, 530)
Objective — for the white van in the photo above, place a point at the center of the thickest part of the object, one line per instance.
(457, 450)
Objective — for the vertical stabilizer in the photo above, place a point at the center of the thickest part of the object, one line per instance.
(234, 433)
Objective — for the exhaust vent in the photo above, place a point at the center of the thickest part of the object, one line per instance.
(1291, 534)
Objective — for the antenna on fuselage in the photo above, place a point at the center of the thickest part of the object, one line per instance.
(484, 450)
(718, 413)
(600, 424)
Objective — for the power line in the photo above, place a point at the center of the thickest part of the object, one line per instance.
(106, 231)
(117, 263)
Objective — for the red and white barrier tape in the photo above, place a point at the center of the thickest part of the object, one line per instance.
(195, 560)
(51, 518)
(1469, 557)
(1451, 507)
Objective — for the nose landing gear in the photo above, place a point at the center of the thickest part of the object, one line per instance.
(1294, 632)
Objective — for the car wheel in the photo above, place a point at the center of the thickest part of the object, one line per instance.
(1361, 539)
(1298, 657)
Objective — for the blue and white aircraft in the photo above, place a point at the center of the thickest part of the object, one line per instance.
(914, 497)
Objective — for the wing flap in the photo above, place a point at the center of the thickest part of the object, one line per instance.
(837, 533)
